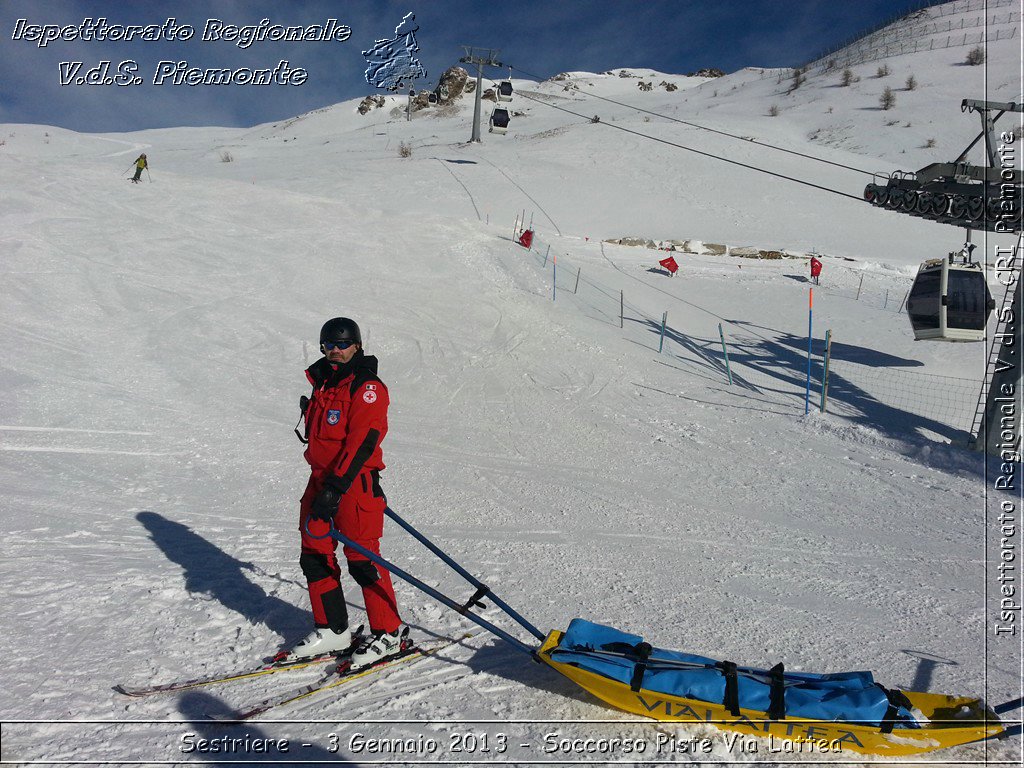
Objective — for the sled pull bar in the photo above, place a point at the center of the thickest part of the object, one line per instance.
(441, 598)
(467, 576)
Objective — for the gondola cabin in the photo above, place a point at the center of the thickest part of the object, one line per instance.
(499, 120)
(504, 91)
(949, 302)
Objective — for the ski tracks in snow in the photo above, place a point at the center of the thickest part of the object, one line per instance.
(111, 442)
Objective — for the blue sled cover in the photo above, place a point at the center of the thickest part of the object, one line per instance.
(852, 697)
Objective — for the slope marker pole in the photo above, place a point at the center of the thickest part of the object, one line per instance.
(810, 337)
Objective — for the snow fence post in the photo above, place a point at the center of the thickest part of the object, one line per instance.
(860, 286)
(900, 310)
(824, 375)
(546, 254)
(810, 338)
(577, 286)
(664, 322)
(554, 273)
(622, 306)
(515, 228)
(725, 351)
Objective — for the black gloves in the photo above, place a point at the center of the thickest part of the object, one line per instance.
(325, 505)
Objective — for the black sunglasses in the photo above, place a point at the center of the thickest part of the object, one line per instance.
(329, 345)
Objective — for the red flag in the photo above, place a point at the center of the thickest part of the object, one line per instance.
(815, 267)
(670, 264)
(526, 239)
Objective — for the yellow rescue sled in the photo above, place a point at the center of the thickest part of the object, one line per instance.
(951, 720)
(811, 712)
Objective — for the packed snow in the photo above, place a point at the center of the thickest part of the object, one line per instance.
(155, 337)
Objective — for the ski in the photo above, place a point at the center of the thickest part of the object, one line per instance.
(342, 675)
(277, 664)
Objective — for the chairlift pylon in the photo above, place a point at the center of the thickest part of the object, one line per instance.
(950, 301)
(980, 197)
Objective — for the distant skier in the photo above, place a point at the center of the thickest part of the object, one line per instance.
(140, 164)
(346, 420)
(815, 269)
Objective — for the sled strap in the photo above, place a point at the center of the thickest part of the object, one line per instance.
(896, 700)
(731, 700)
(777, 694)
(643, 653)
(475, 599)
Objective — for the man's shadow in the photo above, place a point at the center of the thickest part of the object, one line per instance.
(305, 746)
(209, 570)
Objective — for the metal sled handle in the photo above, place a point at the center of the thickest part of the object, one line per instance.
(334, 533)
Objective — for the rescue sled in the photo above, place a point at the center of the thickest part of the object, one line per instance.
(843, 711)
(851, 711)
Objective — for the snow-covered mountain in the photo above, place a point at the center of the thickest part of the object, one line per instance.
(155, 337)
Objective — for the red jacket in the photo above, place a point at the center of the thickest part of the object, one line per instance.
(815, 267)
(347, 417)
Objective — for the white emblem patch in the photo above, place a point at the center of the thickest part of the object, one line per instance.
(369, 396)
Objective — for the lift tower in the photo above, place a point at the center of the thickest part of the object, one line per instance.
(481, 59)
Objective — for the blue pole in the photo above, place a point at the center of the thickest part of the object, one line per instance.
(810, 337)
(664, 321)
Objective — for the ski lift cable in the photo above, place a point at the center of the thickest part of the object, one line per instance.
(715, 130)
(697, 151)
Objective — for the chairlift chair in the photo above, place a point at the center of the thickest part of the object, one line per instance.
(949, 301)
(499, 120)
(504, 91)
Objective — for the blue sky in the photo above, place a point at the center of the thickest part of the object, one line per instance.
(672, 36)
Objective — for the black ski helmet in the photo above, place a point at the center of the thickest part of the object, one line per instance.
(341, 329)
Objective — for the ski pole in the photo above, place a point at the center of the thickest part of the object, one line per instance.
(148, 176)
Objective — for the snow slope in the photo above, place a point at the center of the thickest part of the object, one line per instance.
(154, 339)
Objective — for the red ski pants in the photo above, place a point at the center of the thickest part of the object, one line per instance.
(360, 517)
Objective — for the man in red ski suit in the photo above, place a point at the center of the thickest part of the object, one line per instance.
(346, 420)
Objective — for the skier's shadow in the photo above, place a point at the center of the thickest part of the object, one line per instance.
(208, 570)
(499, 660)
(307, 744)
